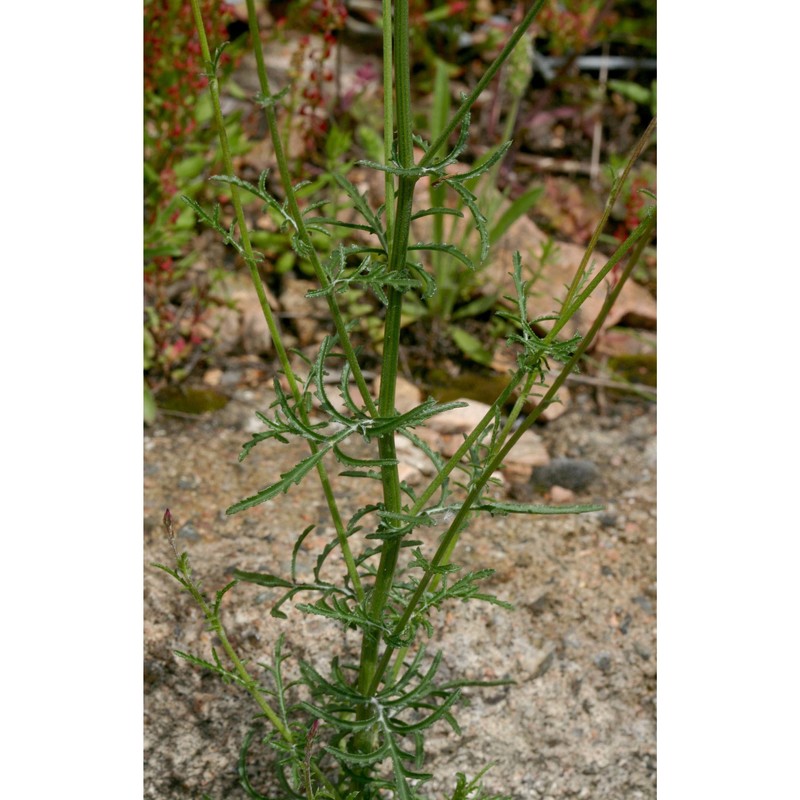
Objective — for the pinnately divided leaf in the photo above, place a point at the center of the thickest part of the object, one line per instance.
(499, 508)
(359, 759)
(450, 249)
(294, 475)
(412, 419)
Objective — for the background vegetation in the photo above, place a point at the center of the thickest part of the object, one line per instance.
(569, 115)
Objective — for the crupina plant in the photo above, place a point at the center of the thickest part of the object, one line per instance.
(358, 730)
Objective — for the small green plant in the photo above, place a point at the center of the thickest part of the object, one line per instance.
(357, 730)
(313, 70)
(457, 293)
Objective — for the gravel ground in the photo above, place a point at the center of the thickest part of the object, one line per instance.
(580, 722)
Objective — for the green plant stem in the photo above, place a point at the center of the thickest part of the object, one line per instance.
(517, 409)
(642, 232)
(442, 302)
(388, 114)
(241, 670)
(450, 538)
(616, 190)
(344, 340)
(216, 626)
(468, 442)
(341, 534)
(332, 790)
(392, 496)
(295, 213)
(265, 307)
(307, 776)
(213, 87)
(489, 181)
(485, 80)
(448, 298)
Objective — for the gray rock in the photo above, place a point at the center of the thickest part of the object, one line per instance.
(570, 473)
(607, 519)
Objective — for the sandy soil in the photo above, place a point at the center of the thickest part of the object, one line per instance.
(580, 720)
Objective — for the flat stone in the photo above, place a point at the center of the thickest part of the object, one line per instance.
(459, 420)
(406, 394)
(528, 453)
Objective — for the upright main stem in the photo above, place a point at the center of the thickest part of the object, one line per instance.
(369, 673)
(391, 346)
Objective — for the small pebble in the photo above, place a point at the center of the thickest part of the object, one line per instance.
(641, 651)
(543, 665)
(558, 495)
(213, 377)
(643, 603)
(188, 482)
(189, 532)
(603, 663)
(607, 520)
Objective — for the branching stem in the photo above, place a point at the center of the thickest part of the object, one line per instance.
(392, 496)
(636, 242)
